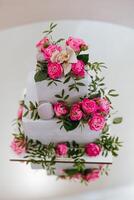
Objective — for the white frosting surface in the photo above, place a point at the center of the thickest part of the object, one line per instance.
(47, 93)
(49, 131)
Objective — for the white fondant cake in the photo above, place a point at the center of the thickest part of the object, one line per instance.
(63, 120)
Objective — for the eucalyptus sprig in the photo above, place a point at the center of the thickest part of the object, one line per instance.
(53, 81)
(96, 87)
(32, 109)
(109, 143)
(51, 28)
(75, 150)
(75, 86)
(45, 154)
(62, 96)
(96, 66)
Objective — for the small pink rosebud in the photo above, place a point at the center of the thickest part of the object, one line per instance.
(61, 149)
(20, 112)
(92, 149)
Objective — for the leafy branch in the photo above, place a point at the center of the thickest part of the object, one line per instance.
(51, 81)
(62, 97)
(50, 29)
(32, 109)
(96, 66)
(44, 154)
(75, 86)
(109, 143)
(75, 150)
(96, 87)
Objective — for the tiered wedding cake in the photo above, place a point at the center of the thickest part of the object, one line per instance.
(63, 121)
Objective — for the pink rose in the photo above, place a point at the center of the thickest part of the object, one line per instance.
(76, 113)
(60, 109)
(76, 44)
(18, 146)
(92, 149)
(97, 122)
(78, 69)
(55, 70)
(49, 51)
(43, 43)
(20, 112)
(103, 105)
(61, 149)
(89, 106)
(92, 176)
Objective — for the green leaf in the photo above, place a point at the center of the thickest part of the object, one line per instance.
(117, 120)
(62, 93)
(58, 96)
(40, 76)
(26, 113)
(66, 97)
(83, 57)
(71, 172)
(31, 105)
(80, 84)
(112, 93)
(67, 80)
(60, 40)
(70, 125)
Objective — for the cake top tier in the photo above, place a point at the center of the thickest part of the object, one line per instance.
(63, 63)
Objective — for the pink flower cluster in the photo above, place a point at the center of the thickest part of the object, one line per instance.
(88, 177)
(18, 146)
(92, 176)
(93, 110)
(55, 69)
(91, 149)
(76, 44)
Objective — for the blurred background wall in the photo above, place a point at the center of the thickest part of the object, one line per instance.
(19, 12)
